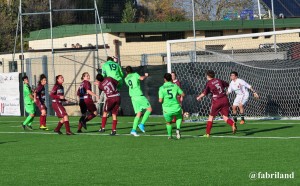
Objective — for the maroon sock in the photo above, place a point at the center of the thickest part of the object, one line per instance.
(79, 126)
(41, 120)
(114, 125)
(208, 127)
(230, 122)
(59, 125)
(90, 117)
(45, 120)
(67, 125)
(104, 119)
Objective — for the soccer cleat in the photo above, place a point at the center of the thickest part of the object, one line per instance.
(178, 136)
(142, 127)
(70, 133)
(23, 126)
(242, 122)
(83, 124)
(43, 127)
(169, 137)
(206, 135)
(58, 132)
(113, 133)
(79, 131)
(101, 130)
(29, 127)
(134, 133)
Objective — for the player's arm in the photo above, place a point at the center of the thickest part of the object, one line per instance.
(120, 71)
(180, 93)
(204, 92)
(160, 95)
(89, 91)
(104, 73)
(250, 88)
(144, 77)
(229, 89)
(54, 95)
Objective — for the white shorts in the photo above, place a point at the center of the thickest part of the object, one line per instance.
(241, 99)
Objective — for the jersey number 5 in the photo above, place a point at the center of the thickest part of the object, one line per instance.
(219, 87)
(169, 91)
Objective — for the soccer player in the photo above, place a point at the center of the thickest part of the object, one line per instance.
(177, 82)
(112, 103)
(57, 95)
(86, 102)
(139, 101)
(29, 98)
(220, 103)
(40, 101)
(168, 93)
(113, 70)
(240, 87)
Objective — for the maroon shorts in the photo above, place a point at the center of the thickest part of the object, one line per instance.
(112, 104)
(87, 105)
(220, 105)
(40, 105)
(59, 109)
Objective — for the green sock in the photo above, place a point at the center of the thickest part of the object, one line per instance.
(169, 129)
(178, 123)
(30, 122)
(146, 116)
(135, 123)
(27, 120)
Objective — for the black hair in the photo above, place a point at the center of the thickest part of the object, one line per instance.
(24, 77)
(56, 78)
(235, 73)
(109, 58)
(129, 69)
(99, 77)
(168, 76)
(210, 73)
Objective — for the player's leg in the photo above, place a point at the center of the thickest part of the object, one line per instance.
(225, 112)
(209, 124)
(241, 108)
(168, 117)
(83, 110)
(144, 105)
(178, 123)
(30, 110)
(135, 123)
(43, 117)
(91, 107)
(67, 124)
(114, 110)
(235, 105)
(104, 114)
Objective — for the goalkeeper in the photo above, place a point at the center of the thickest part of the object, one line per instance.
(168, 93)
(29, 99)
(240, 87)
(113, 70)
(139, 101)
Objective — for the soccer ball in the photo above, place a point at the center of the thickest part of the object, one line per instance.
(186, 115)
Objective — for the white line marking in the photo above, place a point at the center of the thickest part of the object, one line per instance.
(147, 135)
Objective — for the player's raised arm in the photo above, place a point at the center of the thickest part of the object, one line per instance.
(144, 77)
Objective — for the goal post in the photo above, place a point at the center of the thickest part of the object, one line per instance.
(274, 74)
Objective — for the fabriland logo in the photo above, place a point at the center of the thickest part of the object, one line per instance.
(273, 175)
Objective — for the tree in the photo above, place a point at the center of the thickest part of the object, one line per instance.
(162, 10)
(129, 13)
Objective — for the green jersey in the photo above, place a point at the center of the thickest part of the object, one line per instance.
(26, 94)
(113, 70)
(168, 92)
(133, 82)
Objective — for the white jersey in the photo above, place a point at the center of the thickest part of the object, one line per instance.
(239, 86)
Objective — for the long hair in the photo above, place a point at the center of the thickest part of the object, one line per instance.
(82, 76)
(42, 76)
(57, 78)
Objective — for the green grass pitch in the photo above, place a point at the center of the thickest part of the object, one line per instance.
(43, 158)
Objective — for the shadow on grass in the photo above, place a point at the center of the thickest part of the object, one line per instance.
(4, 142)
(267, 130)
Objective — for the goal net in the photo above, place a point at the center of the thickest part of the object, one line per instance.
(272, 68)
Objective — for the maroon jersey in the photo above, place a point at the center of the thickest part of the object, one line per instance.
(109, 86)
(177, 82)
(57, 91)
(83, 88)
(216, 87)
(40, 93)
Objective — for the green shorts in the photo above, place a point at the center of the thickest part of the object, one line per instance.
(30, 108)
(139, 103)
(169, 116)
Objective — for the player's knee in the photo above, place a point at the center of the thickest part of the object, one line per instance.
(149, 109)
(31, 115)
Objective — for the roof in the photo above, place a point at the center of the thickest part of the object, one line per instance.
(289, 8)
(86, 29)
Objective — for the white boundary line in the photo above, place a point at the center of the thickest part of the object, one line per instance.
(147, 135)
